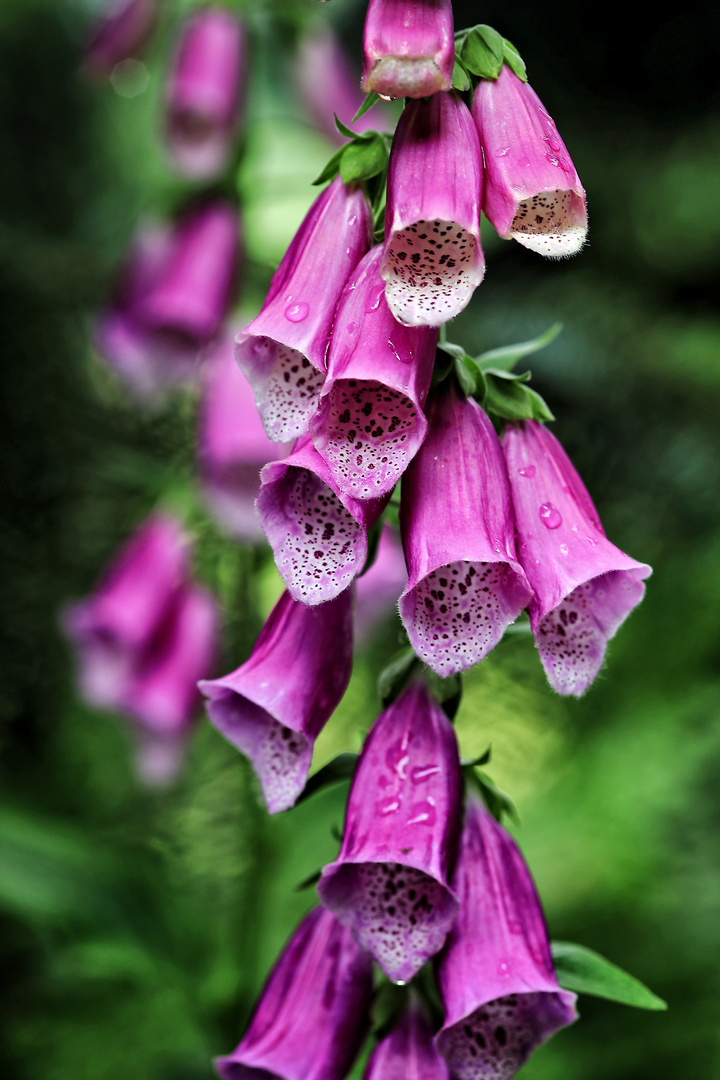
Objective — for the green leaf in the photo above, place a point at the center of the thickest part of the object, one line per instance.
(496, 800)
(483, 51)
(373, 543)
(370, 100)
(586, 972)
(514, 60)
(509, 398)
(484, 758)
(363, 158)
(344, 129)
(460, 78)
(506, 357)
(468, 375)
(340, 768)
(331, 169)
(394, 677)
(448, 692)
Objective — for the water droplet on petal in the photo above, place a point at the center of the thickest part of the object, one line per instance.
(351, 327)
(373, 302)
(502, 151)
(528, 471)
(550, 516)
(553, 142)
(398, 982)
(564, 549)
(297, 312)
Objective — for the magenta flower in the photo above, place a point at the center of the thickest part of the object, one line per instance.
(170, 299)
(277, 703)
(282, 351)
(377, 591)
(532, 191)
(314, 1011)
(465, 583)
(318, 533)
(496, 976)
(408, 47)
(369, 421)
(408, 1052)
(389, 883)
(232, 444)
(584, 586)
(432, 260)
(119, 33)
(204, 93)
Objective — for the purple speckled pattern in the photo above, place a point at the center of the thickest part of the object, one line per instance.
(314, 1011)
(274, 706)
(584, 586)
(283, 349)
(408, 47)
(496, 977)
(370, 422)
(432, 259)
(465, 584)
(389, 883)
(532, 192)
(407, 1052)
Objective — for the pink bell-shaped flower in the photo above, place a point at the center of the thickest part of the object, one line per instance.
(408, 1052)
(408, 47)
(584, 586)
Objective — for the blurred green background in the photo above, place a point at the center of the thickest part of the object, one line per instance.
(136, 927)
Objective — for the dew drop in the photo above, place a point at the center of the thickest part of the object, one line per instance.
(373, 302)
(528, 471)
(553, 142)
(297, 312)
(564, 549)
(550, 516)
(502, 151)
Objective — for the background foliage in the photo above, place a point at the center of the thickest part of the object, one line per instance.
(136, 928)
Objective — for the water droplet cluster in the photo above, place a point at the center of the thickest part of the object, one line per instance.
(430, 279)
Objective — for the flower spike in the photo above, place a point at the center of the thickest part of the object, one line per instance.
(408, 47)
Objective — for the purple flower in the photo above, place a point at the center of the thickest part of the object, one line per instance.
(496, 976)
(432, 260)
(369, 422)
(318, 533)
(314, 1011)
(118, 34)
(532, 192)
(276, 704)
(170, 300)
(389, 883)
(282, 351)
(465, 583)
(377, 591)
(408, 1052)
(408, 47)
(204, 92)
(232, 444)
(584, 586)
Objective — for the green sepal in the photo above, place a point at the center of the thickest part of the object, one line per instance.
(497, 801)
(370, 100)
(394, 678)
(509, 398)
(470, 377)
(344, 129)
(460, 78)
(448, 692)
(373, 543)
(506, 357)
(363, 158)
(442, 368)
(331, 169)
(586, 972)
(482, 51)
(340, 768)
(514, 60)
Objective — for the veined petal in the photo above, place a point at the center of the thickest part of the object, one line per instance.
(408, 47)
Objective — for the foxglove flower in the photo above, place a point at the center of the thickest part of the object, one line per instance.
(389, 883)
(377, 590)
(282, 351)
(232, 444)
(204, 93)
(170, 300)
(532, 191)
(276, 704)
(314, 1011)
(120, 32)
(369, 421)
(584, 586)
(499, 989)
(408, 1052)
(408, 47)
(432, 260)
(465, 583)
(318, 533)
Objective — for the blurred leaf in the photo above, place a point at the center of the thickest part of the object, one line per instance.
(340, 768)
(482, 759)
(496, 800)
(505, 358)
(394, 677)
(309, 881)
(448, 691)
(586, 972)
(482, 51)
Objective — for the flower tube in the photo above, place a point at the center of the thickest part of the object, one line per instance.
(205, 87)
(432, 259)
(318, 533)
(584, 586)
(314, 1010)
(496, 977)
(119, 33)
(276, 704)
(282, 351)
(532, 192)
(389, 883)
(465, 583)
(408, 47)
(408, 1052)
(369, 421)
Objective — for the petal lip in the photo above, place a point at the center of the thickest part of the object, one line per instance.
(408, 47)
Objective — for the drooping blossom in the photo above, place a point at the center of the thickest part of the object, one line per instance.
(119, 33)
(408, 47)
(465, 583)
(584, 586)
(232, 444)
(389, 883)
(407, 1052)
(204, 92)
(432, 259)
(532, 192)
(274, 706)
(499, 990)
(317, 532)
(314, 1010)
(377, 590)
(283, 350)
(170, 299)
(369, 421)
